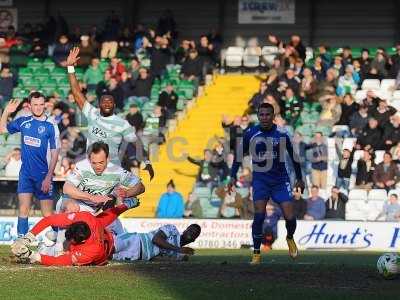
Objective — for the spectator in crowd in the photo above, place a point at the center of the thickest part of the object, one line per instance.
(65, 167)
(365, 171)
(206, 54)
(365, 62)
(390, 210)
(4, 51)
(336, 205)
(160, 56)
(192, 68)
(142, 86)
(227, 208)
(359, 120)
(12, 163)
(244, 205)
(319, 163)
(116, 68)
(257, 98)
(348, 82)
(289, 80)
(171, 203)
(386, 174)
(308, 85)
(6, 84)
(331, 110)
(325, 55)
(208, 172)
(391, 132)
(234, 129)
(86, 52)
(111, 88)
(270, 226)
(347, 57)
(348, 108)
(125, 44)
(344, 168)
(93, 74)
(183, 51)
(109, 46)
(133, 71)
(293, 107)
(299, 204)
(370, 137)
(379, 63)
(319, 69)
(192, 207)
(383, 113)
(168, 100)
(135, 118)
(316, 208)
(371, 101)
(61, 50)
(126, 85)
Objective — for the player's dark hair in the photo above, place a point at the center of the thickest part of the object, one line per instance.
(171, 183)
(97, 147)
(35, 95)
(195, 227)
(266, 105)
(395, 195)
(78, 232)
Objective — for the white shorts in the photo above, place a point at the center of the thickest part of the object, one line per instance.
(127, 247)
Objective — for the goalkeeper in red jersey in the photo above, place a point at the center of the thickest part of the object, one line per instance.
(88, 240)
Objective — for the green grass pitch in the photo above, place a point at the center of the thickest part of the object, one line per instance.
(211, 274)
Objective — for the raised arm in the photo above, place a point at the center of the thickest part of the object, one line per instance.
(73, 81)
(8, 110)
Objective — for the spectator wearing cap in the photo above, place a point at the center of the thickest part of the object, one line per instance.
(135, 118)
(386, 174)
(316, 208)
(7, 82)
(168, 100)
(390, 210)
(61, 50)
(86, 52)
(348, 83)
(370, 137)
(365, 170)
(336, 205)
(171, 203)
(93, 74)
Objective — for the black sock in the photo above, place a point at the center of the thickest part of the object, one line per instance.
(291, 227)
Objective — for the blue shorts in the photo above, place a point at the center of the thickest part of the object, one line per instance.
(265, 189)
(33, 185)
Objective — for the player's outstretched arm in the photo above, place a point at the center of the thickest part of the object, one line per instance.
(73, 81)
(160, 240)
(8, 110)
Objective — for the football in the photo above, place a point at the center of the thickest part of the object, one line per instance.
(388, 265)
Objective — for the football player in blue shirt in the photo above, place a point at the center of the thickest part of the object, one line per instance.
(267, 145)
(36, 175)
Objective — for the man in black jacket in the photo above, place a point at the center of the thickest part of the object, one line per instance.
(192, 67)
(344, 168)
(168, 100)
(299, 204)
(142, 86)
(370, 137)
(336, 205)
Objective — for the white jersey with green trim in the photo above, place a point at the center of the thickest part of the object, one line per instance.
(111, 130)
(85, 179)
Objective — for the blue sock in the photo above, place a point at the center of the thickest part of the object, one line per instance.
(22, 226)
(257, 227)
(291, 227)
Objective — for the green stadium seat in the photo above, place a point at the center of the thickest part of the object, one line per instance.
(25, 73)
(63, 91)
(356, 52)
(41, 74)
(391, 50)
(208, 210)
(48, 86)
(372, 51)
(34, 63)
(49, 64)
(20, 93)
(31, 84)
(181, 104)
(13, 140)
(58, 74)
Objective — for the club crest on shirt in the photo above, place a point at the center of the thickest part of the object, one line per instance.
(41, 129)
(27, 125)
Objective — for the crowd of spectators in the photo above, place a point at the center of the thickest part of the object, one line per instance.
(123, 61)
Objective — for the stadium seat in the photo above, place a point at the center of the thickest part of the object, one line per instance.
(244, 192)
(358, 195)
(25, 73)
(31, 84)
(234, 56)
(49, 64)
(208, 210)
(14, 139)
(395, 104)
(371, 84)
(41, 74)
(374, 208)
(386, 95)
(34, 63)
(360, 95)
(377, 194)
(251, 57)
(358, 154)
(379, 156)
(397, 192)
(388, 84)
(357, 210)
(323, 193)
(58, 74)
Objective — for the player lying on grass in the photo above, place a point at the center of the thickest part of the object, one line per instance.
(267, 145)
(103, 124)
(163, 242)
(88, 187)
(88, 240)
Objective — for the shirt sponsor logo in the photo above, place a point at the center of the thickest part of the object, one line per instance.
(98, 132)
(31, 141)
